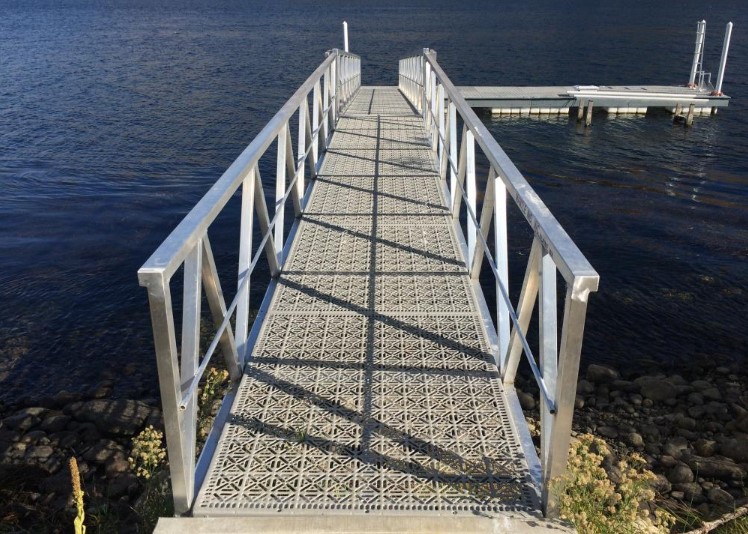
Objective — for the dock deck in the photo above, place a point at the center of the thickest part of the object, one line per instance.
(372, 386)
(558, 99)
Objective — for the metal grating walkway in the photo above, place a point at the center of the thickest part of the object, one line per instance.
(371, 386)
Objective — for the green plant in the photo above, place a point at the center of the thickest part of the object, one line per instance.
(594, 503)
(214, 388)
(155, 501)
(147, 453)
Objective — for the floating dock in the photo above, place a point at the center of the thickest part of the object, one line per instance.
(629, 99)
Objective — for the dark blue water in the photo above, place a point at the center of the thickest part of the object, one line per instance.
(115, 118)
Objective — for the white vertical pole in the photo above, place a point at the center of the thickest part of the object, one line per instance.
(501, 253)
(548, 353)
(345, 36)
(471, 193)
(723, 60)
(698, 51)
(245, 260)
(280, 191)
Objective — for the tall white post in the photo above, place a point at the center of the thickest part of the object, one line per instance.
(345, 36)
(723, 61)
(698, 51)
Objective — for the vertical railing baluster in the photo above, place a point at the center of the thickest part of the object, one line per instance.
(570, 349)
(164, 338)
(461, 166)
(245, 260)
(501, 256)
(471, 193)
(291, 167)
(301, 149)
(335, 87)
(548, 343)
(280, 191)
(326, 108)
(442, 130)
(315, 127)
(190, 355)
(452, 154)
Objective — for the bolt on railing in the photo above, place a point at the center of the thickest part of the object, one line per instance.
(330, 87)
(432, 93)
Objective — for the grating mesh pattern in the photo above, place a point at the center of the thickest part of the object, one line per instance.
(371, 385)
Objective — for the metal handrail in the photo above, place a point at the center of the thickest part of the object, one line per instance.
(433, 94)
(330, 87)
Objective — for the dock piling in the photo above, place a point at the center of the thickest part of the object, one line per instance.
(689, 118)
(588, 119)
(580, 111)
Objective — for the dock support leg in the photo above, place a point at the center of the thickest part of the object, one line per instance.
(580, 111)
(689, 118)
(678, 111)
(588, 118)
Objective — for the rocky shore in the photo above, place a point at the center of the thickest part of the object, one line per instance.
(691, 426)
(36, 442)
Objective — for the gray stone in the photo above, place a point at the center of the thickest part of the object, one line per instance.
(525, 400)
(681, 421)
(701, 384)
(600, 374)
(675, 446)
(117, 464)
(585, 387)
(735, 448)
(607, 432)
(679, 495)
(657, 390)
(695, 399)
(720, 497)
(122, 485)
(680, 474)
(705, 447)
(102, 451)
(692, 492)
(24, 419)
(634, 439)
(661, 484)
(55, 423)
(711, 394)
(697, 412)
(715, 467)
(578, 402)
(39, 452)
(120, 417)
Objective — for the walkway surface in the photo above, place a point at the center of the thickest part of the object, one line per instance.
(371, 387)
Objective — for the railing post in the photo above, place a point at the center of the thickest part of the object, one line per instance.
(245, 260)
(336, 68)
(164, 337)
(280, 191)
(301, 152)
(501, 256)
(442, 131)
(326, 108)
(264, 219)
(572, 332)
(190, 355)
(452, 153)
(471, 193)
(424, 102)
(548, 344)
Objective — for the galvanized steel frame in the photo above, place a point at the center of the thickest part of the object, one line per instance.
(431, 92)
(330, 87)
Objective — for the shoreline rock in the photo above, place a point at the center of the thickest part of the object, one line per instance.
(691, 426)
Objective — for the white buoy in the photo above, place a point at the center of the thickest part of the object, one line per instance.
(345, 36)
(723, 60)
(698, 52)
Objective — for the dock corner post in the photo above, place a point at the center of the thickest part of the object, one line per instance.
(723, 59)
(570, 349)
(345, 36)
(588, 118)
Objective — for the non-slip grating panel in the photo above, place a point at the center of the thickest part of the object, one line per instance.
(372, 387)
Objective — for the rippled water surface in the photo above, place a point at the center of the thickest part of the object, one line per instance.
(115, 118)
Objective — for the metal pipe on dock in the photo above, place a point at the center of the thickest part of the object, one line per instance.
(723, 60)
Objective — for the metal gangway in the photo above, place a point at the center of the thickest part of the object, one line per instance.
(375, 384)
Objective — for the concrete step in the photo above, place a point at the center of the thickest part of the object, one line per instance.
(372, 524)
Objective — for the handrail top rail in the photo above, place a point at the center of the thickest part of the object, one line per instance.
(573, 265)
(162, 264)
(342, 53)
